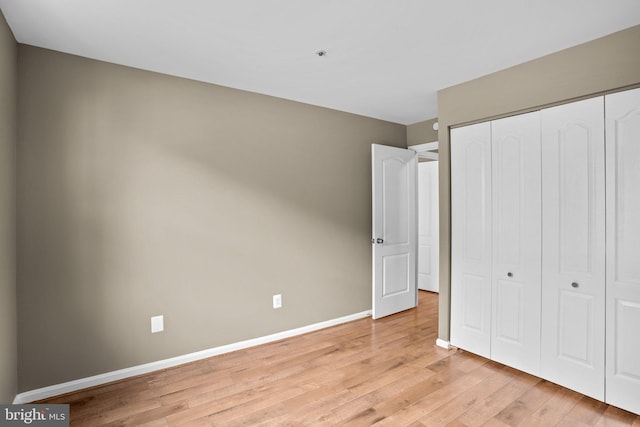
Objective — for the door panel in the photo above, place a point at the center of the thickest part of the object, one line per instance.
(515, 147)
(573, 246)
(395, 274)
(575, 311)
(509, 312)
(471, 238)
(395, 186)
(473, 289)
(575, 194)
(623, 249)
(625, 348)
(428, 226)
(394, 230)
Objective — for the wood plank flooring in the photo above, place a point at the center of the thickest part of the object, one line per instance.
(386, 372)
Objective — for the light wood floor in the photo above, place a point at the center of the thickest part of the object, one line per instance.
(383, 372)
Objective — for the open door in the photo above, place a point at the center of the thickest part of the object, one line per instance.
(394, 238)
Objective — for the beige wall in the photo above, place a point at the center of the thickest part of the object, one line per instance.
(421, 132)
(602, 65)
(8, 340)
(141, 194)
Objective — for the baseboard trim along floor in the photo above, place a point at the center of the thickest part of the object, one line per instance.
(443, 343)
(70, 386)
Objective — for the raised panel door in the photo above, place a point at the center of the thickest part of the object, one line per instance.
(394, 230)
(623, 249)
(428, 226)
(516, 241)
(573, 246)
(471, 238)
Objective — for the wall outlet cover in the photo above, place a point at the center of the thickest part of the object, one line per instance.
(277, 301)
(157, 324)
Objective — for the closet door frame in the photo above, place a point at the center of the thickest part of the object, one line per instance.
(590, 279)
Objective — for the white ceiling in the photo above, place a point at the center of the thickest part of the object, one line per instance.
(385, 58)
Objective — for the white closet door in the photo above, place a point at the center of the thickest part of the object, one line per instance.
(623, 249)
(471, 238)
(428, 226)
(515, 147)
(573, 246)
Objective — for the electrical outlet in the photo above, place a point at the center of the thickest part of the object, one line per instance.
(277, 301)
(157, 324)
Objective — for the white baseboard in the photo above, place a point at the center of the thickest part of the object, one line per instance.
(67, 387)
(443, 343)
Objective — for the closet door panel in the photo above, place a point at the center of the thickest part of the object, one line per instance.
(516, 241)
(573, 246)
(623, 249)
(471, 238)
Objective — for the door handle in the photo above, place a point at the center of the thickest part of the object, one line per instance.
(379, 241)
(574, 284)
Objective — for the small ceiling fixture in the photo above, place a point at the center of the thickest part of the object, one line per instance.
(321, 53)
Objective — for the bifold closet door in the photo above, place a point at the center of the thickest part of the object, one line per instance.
(573, 246)
(623, 249)
(515, 148)
(471, 238)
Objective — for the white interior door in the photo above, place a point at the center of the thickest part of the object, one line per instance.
(623, 250)
(573, 240)
(515, 151)
(471, 238)
(394, 235)
(428, 249)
